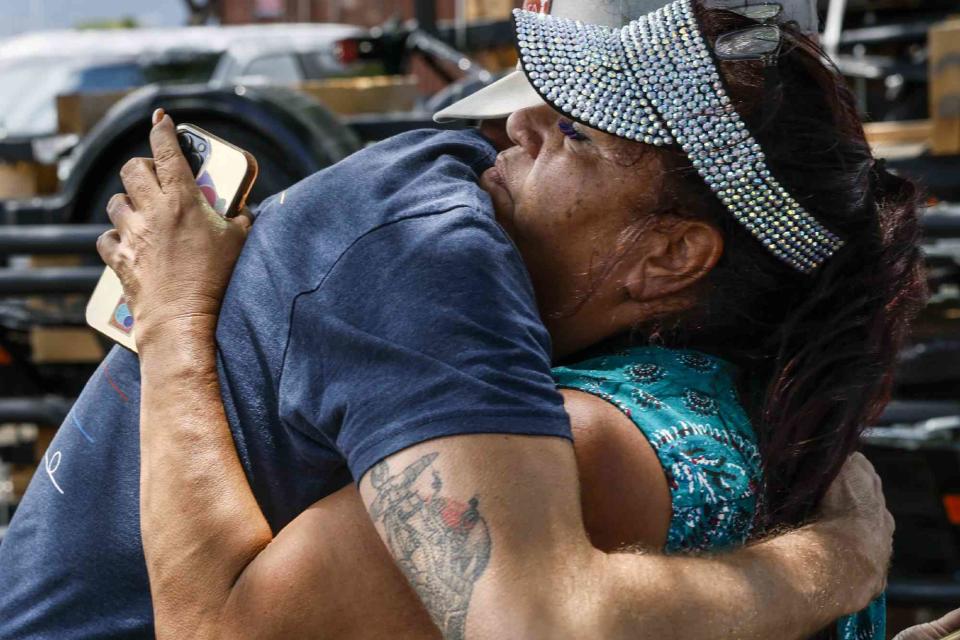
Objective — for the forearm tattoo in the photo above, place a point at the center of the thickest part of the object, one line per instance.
(441, 544)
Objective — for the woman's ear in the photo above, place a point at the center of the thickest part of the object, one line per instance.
(676, 255)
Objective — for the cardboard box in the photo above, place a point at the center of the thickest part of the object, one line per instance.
(65, 345)
(489, 9)
(945, 87)
(367, 94)
(903, 139)
(79, 112)
(26, 179)
(21, 475)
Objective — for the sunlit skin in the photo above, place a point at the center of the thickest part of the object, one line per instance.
(566, 193)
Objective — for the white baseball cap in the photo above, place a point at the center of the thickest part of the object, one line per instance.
(514, 92)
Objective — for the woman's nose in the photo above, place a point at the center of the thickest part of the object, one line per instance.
(525, 129)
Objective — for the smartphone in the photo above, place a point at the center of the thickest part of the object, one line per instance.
(225, 174)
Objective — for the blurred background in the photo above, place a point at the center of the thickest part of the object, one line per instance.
(302, 83)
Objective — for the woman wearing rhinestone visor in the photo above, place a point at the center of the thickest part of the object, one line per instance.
(725, 271)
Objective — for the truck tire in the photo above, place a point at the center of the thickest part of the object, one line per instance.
(330, 142)
(331, 138)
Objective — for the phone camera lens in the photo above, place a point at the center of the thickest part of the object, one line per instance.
(196, 162)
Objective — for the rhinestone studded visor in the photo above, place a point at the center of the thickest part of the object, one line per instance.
(655, 81)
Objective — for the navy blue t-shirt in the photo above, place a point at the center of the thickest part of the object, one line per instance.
(376, 305)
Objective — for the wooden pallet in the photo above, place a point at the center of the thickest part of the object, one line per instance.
(367, 94)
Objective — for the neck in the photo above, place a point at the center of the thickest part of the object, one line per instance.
(571, 342)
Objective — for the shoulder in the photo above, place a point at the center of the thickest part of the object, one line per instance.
(625, 495)
(435, 292)
(461, 252)
(415, 173)
(427, 146)
(466, 145)
(684, 404)
(675, 397)
(435, 282)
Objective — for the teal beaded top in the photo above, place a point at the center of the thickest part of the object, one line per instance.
(685, 403)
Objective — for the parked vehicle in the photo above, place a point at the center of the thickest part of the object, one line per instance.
(37, 67)
(238, 82)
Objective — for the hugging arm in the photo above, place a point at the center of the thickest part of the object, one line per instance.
(517, 562)
(936, 630)
(495, 549)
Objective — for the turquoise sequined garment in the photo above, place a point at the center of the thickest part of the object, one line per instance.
(686, 405)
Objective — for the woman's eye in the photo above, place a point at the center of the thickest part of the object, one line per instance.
(571, 130)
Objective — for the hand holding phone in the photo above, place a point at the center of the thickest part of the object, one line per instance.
(224, 174)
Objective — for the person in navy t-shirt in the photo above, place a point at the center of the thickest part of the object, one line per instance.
(388, 232)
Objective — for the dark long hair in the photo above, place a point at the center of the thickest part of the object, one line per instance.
(817, 351)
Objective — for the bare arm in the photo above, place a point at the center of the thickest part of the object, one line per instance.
(530, 569)
(740, 595)
(937, 630)
(541, 578)
(354, 588)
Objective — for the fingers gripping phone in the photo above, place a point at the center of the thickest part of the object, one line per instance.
(225, 174)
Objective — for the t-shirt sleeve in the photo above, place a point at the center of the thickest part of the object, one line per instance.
(425, 328)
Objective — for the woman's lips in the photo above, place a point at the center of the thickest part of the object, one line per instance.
(495, 175)
(494, 182)
(498, 165)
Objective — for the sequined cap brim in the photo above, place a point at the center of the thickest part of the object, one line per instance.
(655, 81)
(581, 70)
